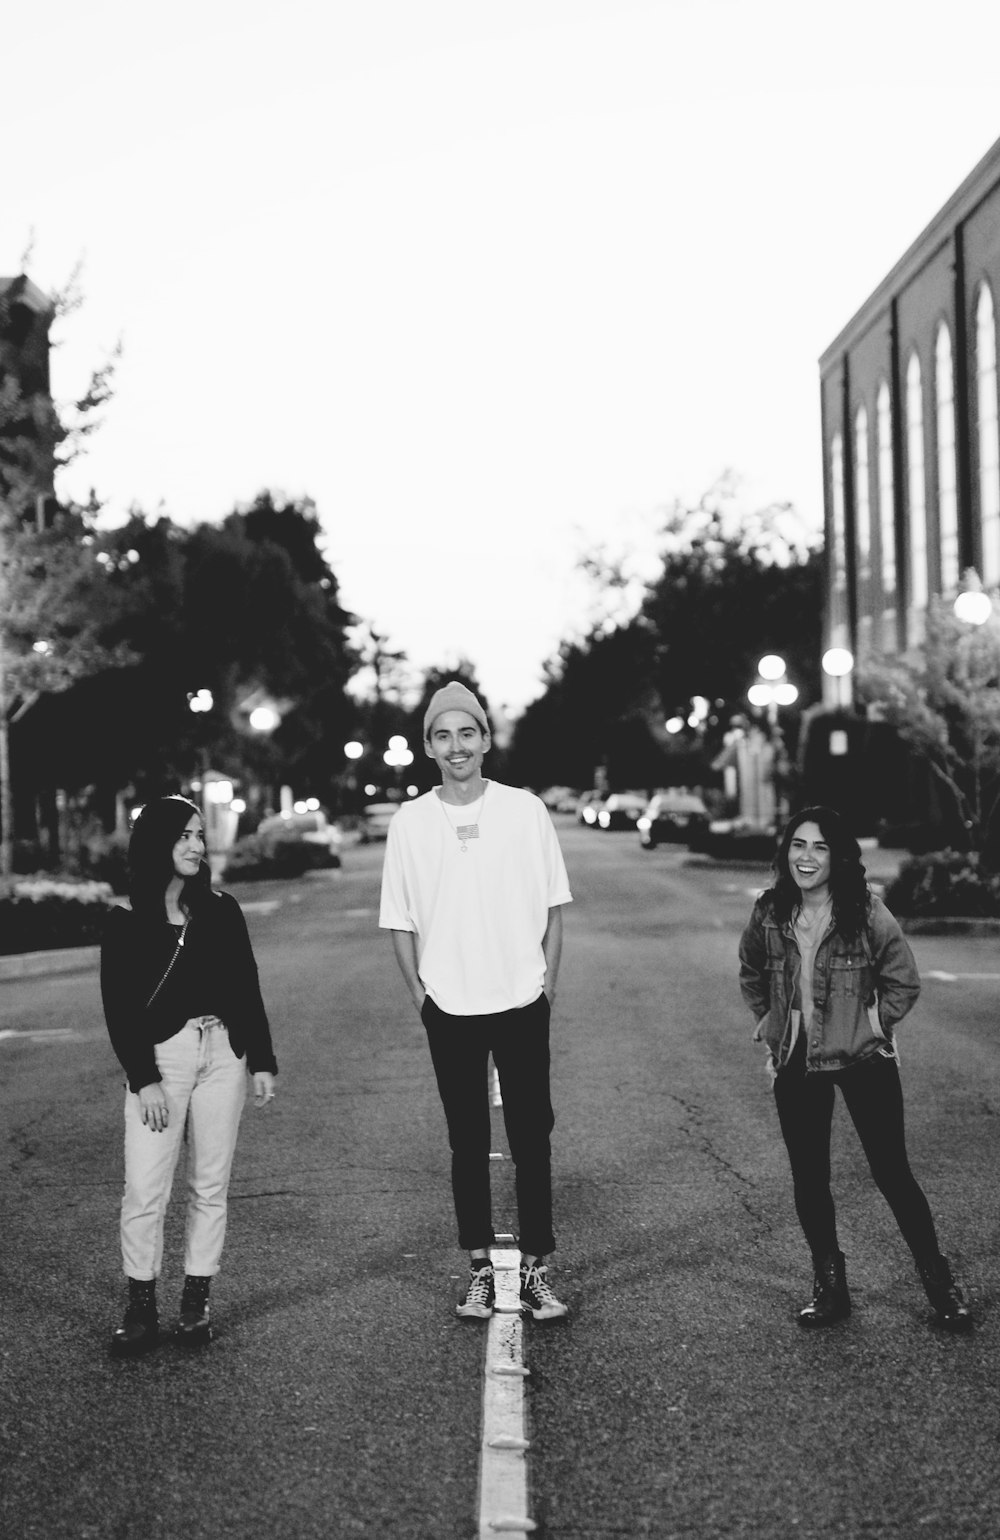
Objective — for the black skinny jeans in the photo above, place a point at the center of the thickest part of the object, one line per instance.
(874, 1096)
(460, 1050)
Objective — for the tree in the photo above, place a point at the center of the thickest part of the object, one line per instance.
(595, 716)
(52, 603)
(249, 610)
(944, 701)
(731, 587)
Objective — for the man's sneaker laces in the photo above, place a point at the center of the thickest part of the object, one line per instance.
(537, 1296)
(481, 1293)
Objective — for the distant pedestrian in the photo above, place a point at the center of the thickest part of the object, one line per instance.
(186, 1019)
(472, 889)
(828, 975)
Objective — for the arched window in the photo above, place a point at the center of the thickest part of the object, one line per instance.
(988, 439)
(886, 516)
(838, 617)
(862, 525)
(947, 464)
(917, 500)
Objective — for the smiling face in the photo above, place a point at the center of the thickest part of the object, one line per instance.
(809, 860)
(457, 743)
(189, 851)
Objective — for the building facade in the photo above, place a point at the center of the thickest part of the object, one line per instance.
(911, 432)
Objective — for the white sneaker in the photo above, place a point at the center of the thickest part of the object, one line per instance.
(537, 1297)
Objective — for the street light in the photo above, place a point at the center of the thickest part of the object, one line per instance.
(973, 605)
(771, 688)
(398, 753)
(837, 663)
(264, 719)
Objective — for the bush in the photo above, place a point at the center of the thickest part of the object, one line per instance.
(255, 858)
(40, 914)
(945, 882)
(104, 858)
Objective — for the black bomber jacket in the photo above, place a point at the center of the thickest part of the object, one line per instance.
(215, 974)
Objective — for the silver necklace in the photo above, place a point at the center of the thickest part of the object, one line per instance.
(465, 831)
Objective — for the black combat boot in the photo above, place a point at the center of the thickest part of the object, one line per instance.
(947, 1299)
(140, 1329)
(831, 1301)
(193, 1327)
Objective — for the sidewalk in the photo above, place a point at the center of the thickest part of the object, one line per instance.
(68, 959)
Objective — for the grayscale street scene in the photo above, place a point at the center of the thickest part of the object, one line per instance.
(499, 770)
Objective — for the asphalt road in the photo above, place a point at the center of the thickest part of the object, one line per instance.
(341, 1397)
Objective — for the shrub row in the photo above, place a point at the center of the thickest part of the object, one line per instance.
(945, 882)
(255, 858)
(40, 914)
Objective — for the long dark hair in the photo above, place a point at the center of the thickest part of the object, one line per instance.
(150, 859)
(848, 885)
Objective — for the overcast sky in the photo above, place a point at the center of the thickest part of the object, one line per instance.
(489, 282)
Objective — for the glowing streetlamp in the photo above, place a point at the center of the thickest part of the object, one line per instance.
(838, 664)
(399, 753)
(264, 719)
(771, 688)
(973, 605)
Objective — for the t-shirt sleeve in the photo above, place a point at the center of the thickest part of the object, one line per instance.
(555, 867)
(394, 911)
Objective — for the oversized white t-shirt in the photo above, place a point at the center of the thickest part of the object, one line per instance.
(479, 914)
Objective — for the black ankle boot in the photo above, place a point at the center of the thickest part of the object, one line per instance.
(831, 1301)
(947, 1299)
(140, 1329)
(193, 1327)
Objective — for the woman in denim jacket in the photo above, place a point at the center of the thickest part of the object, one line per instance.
(828, 975)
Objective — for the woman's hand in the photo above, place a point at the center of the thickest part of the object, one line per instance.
(263, 1088)
(153, 1105)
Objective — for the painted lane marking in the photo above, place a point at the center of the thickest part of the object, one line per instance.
(950, 978)
(261, 905)
(495, 1093)
(43, 1034)
(503, 1475)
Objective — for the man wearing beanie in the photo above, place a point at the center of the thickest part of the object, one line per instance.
(472, 887)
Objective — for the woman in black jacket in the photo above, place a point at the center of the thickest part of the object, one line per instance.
(186, 1019)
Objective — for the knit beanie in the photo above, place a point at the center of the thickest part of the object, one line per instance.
(453, 696)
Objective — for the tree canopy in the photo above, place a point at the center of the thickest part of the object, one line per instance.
(729, 589)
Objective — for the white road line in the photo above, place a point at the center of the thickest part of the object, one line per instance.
(503, 1475)
(495, 1095)
(950, 978)
(43, 1034)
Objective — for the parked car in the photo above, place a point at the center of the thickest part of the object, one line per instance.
(375, 820)
(560, 799)
(621, 810)
(674, 816)
(740, 839)
(308, 828)
(587, 808)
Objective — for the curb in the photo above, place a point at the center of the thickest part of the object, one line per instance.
(70, 959)
(949, 925)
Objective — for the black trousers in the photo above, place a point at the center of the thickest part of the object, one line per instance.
(460, 1049)
(873, 1094)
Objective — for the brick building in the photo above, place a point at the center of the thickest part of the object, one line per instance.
(911, 448)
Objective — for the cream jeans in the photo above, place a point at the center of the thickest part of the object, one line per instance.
(205, 1086)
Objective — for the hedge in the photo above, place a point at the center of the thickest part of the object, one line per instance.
(40, 914)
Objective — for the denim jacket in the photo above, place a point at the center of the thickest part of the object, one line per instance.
(861, 988)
